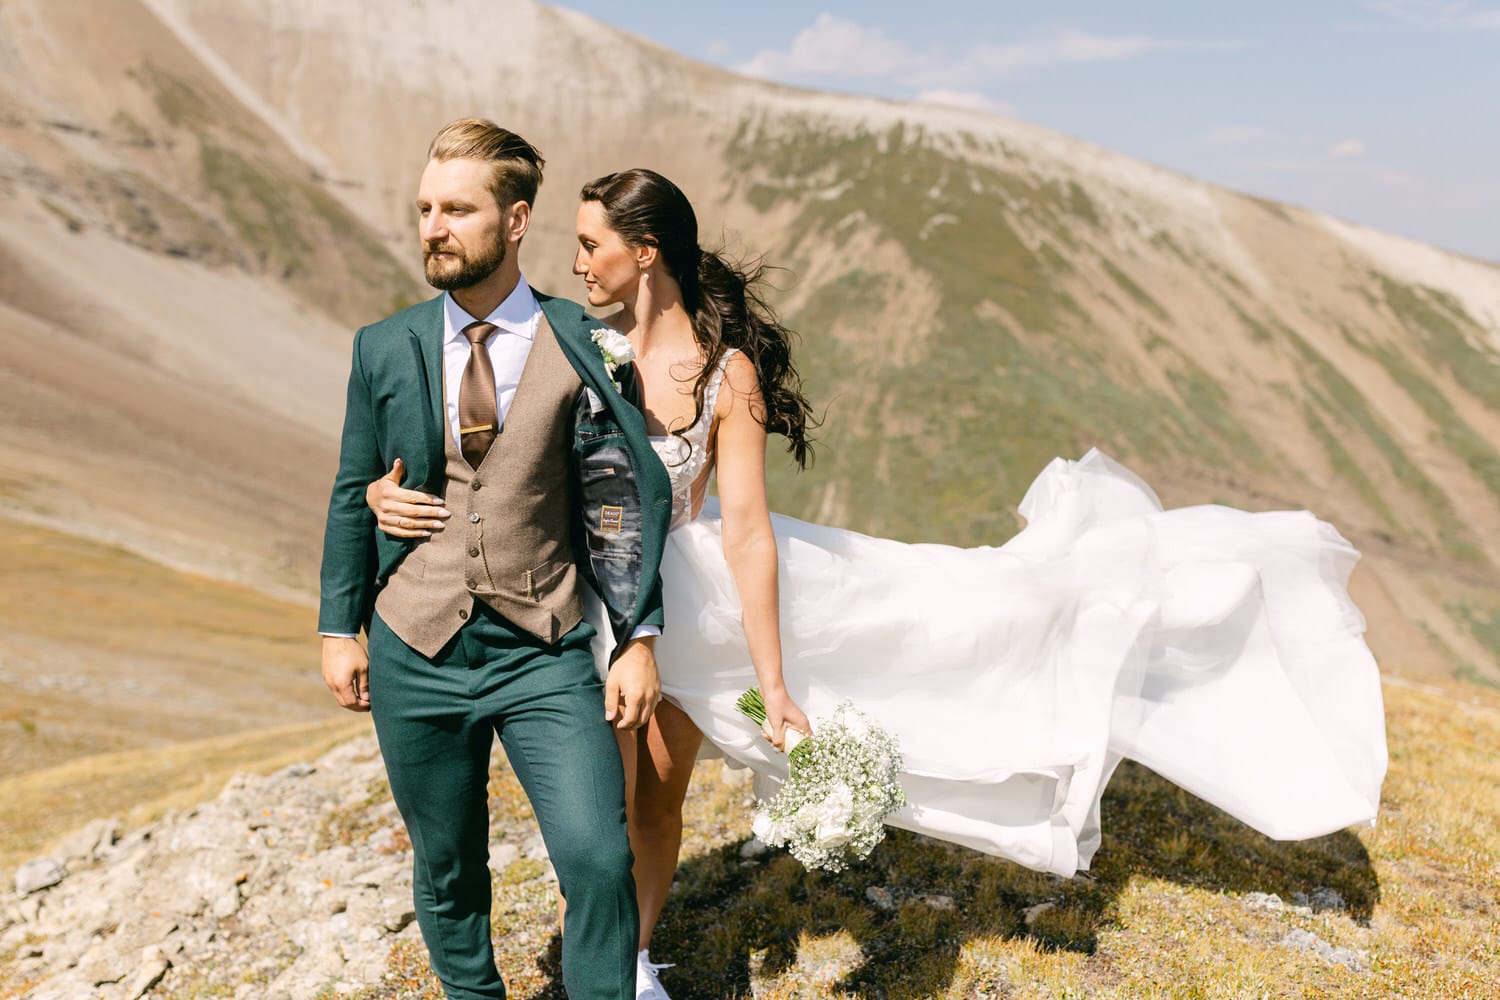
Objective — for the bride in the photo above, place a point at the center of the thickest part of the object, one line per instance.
(1215, 646)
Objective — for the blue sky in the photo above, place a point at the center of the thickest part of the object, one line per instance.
(1385, 112)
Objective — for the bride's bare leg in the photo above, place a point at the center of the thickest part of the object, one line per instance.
(667, 749)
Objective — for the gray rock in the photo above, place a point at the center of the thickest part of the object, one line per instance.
(154, 965)
(1268, 901)
(398, 915)
(67, 986)
(938, 902)
(227, 903)
(383, 841)
(91, 842)
(1323, 898)
(12, 939)
(38, 874)
(753, 848)
(1309, 942)
(1032, 913)
(502, 854)
(108, 963)
(29, 910)
(1320, 899)
(882, 897)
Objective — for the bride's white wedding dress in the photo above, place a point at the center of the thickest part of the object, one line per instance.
(1217, 647)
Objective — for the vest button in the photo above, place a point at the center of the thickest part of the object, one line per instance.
(474, 553)
(463, 615)
(474, 517)
(474, 486)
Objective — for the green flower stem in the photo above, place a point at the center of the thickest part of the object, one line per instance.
(753, 707)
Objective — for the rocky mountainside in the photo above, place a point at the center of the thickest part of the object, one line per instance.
(207, 196)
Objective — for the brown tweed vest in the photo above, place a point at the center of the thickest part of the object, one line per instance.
(509, 541)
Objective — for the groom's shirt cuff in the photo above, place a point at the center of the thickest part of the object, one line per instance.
(339, 635)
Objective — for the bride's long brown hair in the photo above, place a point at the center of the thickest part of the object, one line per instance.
(722, 298)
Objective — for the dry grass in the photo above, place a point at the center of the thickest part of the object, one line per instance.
(1164, 913)
(102, 651)
(140, 785)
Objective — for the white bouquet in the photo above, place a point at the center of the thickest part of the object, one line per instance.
(842, 783)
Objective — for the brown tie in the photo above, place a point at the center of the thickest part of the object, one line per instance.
(477, 418)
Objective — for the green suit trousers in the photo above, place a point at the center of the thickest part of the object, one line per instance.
(436, 721)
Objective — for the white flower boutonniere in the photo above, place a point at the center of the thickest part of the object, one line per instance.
(614, 348)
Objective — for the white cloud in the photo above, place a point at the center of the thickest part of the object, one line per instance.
(1347, 149)
(837, 48)
(1067, 47)
(1237, 135)
(1441, 15)
(834, 47)
(973, 100)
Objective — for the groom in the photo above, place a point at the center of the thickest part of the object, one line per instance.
(495, 399)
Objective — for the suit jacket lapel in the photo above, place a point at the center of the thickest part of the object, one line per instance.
(566, 319)
(427, 333)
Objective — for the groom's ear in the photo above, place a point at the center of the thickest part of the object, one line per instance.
(517, 220)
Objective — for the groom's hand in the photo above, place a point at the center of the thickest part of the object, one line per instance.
(404, 513)
(346, 671)
(633, 686)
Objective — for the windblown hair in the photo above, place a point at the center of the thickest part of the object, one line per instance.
(516, 166)
(722, 298)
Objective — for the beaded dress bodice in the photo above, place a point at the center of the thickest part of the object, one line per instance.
(687, 456)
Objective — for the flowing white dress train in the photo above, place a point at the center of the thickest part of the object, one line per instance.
(1217, 647)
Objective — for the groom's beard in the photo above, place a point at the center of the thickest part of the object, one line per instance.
(460, 270)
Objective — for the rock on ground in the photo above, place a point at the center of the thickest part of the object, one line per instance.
(293, 886)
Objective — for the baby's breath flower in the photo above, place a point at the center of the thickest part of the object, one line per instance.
(843, 782)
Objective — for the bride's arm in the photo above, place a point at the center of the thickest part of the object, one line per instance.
(749, 544)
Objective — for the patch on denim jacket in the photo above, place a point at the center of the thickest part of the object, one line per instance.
(611, 520)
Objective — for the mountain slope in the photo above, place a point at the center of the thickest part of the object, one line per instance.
(976, 294)
(176, 291)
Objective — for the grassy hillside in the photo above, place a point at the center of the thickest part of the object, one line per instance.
(1169, 910)
(969, 311)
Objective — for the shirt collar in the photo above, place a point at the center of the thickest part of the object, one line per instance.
(517, 314)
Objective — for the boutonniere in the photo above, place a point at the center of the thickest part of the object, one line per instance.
(614, 348)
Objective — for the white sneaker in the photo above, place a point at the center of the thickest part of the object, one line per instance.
(647, 986)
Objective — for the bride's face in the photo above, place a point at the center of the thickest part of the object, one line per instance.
(609, 266)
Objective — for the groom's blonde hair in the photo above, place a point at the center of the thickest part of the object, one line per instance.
(516, 166)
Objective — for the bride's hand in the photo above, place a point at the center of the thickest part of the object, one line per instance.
(404, 513)
(782, 714)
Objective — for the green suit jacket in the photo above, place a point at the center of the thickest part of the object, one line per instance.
(395, 410)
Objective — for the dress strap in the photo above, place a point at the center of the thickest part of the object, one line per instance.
(711, 390)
